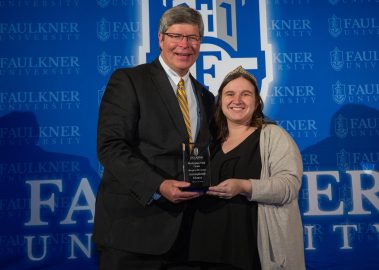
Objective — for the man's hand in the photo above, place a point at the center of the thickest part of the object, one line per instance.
(171, 190)
(230, 188)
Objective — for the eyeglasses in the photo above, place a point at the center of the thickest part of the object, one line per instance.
(193, 39)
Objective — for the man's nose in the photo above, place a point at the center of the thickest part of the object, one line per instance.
(184, 42)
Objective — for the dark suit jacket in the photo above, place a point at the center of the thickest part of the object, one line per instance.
(140, 132)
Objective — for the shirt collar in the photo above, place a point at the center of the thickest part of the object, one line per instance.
(172, 74)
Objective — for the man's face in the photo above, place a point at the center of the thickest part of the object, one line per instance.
(180, 55)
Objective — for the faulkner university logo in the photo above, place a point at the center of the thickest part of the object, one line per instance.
(104, 63)
(334, 26)
(222, 48)
(336, 59)
(103, 29)
(339, 94)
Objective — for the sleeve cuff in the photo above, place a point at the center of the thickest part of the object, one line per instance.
(156, 196)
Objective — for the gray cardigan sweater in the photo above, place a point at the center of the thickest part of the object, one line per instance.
(280, 231)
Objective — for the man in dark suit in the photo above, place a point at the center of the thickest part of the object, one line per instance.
(143, 214)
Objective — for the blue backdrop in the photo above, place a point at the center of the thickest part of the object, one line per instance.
(317, 66)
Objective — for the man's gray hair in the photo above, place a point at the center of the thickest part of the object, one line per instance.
(181, 14)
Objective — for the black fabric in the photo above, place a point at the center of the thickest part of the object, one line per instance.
(114, 259)
(140, 133)
(225, 231)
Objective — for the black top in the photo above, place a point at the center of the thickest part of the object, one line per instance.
(225, 231)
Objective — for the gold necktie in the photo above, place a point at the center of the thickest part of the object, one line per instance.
(183, 103)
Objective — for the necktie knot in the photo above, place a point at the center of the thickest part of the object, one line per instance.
(181, 85)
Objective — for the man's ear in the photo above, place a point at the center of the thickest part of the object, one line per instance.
(160, 39)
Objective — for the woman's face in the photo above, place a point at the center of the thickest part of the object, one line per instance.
(238, 101)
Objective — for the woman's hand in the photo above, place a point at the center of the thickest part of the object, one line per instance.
(230, 188)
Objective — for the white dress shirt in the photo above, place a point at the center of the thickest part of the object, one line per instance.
(193, 107)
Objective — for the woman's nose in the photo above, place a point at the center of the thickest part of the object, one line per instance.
(237, 99)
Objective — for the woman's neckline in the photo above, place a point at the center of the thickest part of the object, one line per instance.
(239, 141)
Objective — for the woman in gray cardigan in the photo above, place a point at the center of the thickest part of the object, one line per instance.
(251, 220)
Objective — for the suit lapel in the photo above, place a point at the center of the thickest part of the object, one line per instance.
(164, 88)
(203, 136)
